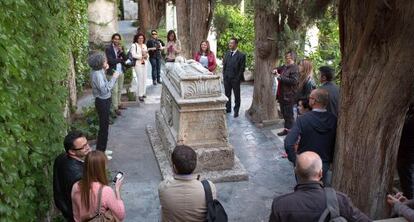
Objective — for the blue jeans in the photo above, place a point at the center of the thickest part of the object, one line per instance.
(156, 68)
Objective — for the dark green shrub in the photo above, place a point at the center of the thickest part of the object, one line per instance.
(34, 48)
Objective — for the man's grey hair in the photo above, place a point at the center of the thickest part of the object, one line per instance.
(96, 60)
(322, 97)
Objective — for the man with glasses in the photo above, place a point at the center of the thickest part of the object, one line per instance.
(315, 131)
(155, 46)
(67, 169)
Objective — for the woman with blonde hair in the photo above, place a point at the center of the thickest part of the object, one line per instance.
(94, 184)
(306, 83)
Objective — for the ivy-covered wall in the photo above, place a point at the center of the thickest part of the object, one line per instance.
(34, 47)
(79, 41)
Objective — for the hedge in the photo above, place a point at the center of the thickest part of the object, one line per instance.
(34, 49)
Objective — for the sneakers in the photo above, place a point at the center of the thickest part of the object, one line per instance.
(108, 154)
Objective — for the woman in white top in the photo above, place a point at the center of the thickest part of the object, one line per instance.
(139, 51)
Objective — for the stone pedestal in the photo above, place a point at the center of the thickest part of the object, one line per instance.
(103, 21)
(193, 113)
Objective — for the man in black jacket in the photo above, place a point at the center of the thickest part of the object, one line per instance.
(326, 75)
(308, 202)
(116, 57)
(288, 84)
(67, 170)
(155, 46)
(315, 131)
(234, 64)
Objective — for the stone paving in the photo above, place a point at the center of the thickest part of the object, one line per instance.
(258, 149)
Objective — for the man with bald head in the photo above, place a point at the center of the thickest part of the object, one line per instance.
(314, 131)
(308, 201)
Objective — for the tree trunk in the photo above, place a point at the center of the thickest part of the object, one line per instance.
(376, 88)
(263, 108)
(72, 83)
(150, 13)
(193, 23)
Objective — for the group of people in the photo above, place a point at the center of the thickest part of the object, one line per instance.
(81, 188)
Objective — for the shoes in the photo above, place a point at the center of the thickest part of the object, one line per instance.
(108, 152)
(141, 98)
(118, 112)
(122, 107)
(228, 111)
(144, 96)
(154, 83)
(108, 157)
(159, 81)
(236, 115)
(283, 133)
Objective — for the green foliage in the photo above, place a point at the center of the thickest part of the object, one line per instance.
(34, 46)
(229, 22)
(78, 29)
(88, 123)
(328, 50)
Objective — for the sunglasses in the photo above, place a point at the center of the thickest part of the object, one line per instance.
(153, 33)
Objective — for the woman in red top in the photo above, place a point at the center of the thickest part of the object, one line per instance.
(206, 57)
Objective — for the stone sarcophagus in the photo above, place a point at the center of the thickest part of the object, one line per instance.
(192, 113)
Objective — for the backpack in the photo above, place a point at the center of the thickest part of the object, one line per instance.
(131, 61)
(215, 211)
(331, 213)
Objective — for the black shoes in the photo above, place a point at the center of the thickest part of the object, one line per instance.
(228, 111)
(159, 81)
(154, 82)
(236, 115)
(283, 133)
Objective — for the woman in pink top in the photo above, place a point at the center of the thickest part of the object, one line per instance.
(206, 57)
(85, 191)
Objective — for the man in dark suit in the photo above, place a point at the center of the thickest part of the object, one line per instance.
(233, 68)
(116, 56)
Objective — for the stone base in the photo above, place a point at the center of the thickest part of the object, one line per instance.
(237, 173)
(208, 158)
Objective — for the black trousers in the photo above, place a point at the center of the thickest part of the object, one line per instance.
(406, 173)
(103, 107)
(229, 85)
(156, 68)
(287, 112)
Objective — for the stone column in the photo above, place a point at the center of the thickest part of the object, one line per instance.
(103, 21)
(171, 17)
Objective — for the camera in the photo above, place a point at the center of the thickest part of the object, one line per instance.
(118, 176)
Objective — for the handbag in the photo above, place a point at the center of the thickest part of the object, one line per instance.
(102, 217)
(131, 61)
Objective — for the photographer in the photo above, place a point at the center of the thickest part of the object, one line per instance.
(155, 46)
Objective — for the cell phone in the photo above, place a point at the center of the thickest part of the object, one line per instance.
(118, 176)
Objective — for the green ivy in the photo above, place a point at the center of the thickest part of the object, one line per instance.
(229, 22)
(79, 42)
(34, 46)
(328, 49)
